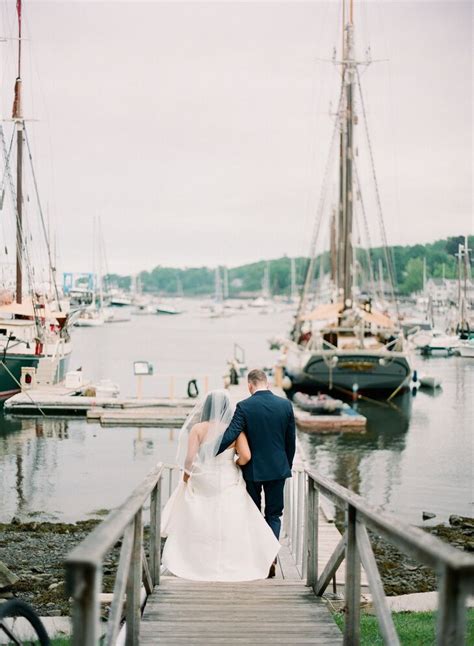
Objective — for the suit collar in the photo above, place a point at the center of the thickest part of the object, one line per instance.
(262, 392)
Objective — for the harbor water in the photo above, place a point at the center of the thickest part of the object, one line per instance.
(417, 453)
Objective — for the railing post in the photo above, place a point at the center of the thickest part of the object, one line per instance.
(287, 509)
(451, 626)
(312, 524)
(155, 533)
(299, 557)
(133, 609)
(352, 587)
(84, 585)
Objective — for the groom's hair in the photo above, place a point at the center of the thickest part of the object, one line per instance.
(257, 377)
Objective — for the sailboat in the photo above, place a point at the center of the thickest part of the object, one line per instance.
(94, 315)
(35, 344)
(346, 344)
(262, 302)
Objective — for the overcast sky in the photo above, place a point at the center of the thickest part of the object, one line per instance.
(199, 131)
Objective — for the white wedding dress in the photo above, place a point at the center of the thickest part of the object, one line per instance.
(215, 531)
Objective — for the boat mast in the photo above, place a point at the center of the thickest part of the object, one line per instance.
(346, 203)
(17, 116)
(293, 293)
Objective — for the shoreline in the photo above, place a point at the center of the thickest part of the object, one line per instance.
(35, 551)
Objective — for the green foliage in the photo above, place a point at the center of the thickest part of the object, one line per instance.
(407, 263)
(412, 628)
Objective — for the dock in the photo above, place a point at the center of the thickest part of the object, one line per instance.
(348, 421)
(282, 610)
(108, 411)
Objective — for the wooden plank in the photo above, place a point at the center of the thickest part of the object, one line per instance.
(312, 518)
(94, 547)
(411, 540)
(451, 627)
(331, 566)
(269, 612)
(121, 578)
(132, 611)
(384, 615)
(155, 532)
(146, 575)
(352, 588)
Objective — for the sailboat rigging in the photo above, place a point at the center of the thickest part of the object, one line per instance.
(346, 343)
(34, 335)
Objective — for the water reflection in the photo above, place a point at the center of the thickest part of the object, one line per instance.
(58, 469)
(367, 463)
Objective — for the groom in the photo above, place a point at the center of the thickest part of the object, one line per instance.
(269, 424)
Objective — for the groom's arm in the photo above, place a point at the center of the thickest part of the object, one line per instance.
(290, 438)
(235, 428)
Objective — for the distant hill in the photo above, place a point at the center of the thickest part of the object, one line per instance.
(247, 279)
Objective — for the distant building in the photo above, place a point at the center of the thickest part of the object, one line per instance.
(445, 290)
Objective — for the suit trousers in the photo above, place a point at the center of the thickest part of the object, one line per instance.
(273, 490)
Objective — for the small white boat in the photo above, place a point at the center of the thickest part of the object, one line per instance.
(441, 342)
(466, 349)
(167, 309)
(90, 318)
(259, 302)
(113, 315)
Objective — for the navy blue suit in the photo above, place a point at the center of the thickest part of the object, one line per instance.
(269, 424)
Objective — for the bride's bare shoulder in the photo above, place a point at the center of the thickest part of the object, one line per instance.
(200, 429)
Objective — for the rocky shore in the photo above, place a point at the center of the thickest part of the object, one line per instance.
(35, 551)
(402, 575)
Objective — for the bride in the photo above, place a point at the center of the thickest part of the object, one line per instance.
(214, 530)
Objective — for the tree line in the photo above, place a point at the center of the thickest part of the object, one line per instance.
(407, 261)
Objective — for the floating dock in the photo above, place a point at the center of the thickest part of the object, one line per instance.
(348, 421)
(109, 411)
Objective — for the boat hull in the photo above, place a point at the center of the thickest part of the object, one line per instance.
(10, 371)
(364, 373)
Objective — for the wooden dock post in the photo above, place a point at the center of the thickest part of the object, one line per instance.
(155, 532)
(352, 589)
(132, 610)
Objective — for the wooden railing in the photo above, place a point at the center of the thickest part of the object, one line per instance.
(136, 575)
(454, 568)
(84, 566)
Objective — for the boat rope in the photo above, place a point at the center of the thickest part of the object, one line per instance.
(25, 392)
(366, 229)
(388, 256)
(319, 215)
(43, 225)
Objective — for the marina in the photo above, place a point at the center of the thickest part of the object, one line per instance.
(294, 216)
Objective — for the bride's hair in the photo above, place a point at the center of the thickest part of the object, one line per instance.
(209, 407)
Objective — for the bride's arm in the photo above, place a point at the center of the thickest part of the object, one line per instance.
(243, 450)
(193, 447)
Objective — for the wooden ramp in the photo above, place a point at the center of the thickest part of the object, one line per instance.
(277, 611)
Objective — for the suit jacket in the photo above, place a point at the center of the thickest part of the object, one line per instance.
(269, 425)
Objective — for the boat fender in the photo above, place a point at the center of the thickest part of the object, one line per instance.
(193, 390)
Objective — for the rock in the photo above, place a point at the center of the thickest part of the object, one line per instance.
(412, 568)
(53, 586)
(6, 595)
(37, 570)
(427, 515)
(15, 521)
(461, 521)
(7, 578)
